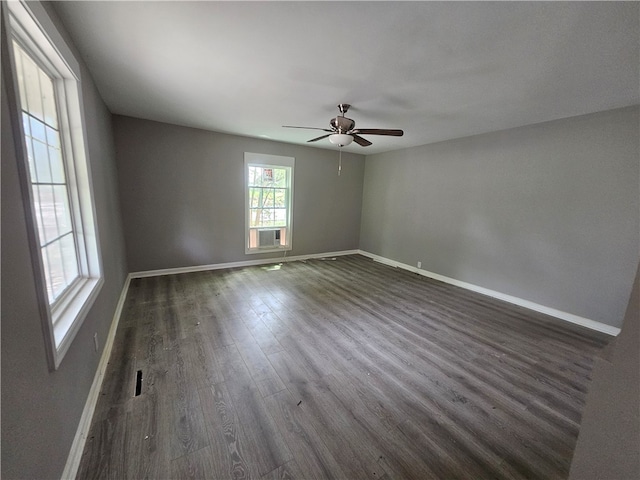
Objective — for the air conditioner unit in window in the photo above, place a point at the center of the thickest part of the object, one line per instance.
(268, 238)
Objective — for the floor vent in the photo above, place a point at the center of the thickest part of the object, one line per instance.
(138, 382)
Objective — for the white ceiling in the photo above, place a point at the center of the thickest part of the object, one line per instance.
(438, 70)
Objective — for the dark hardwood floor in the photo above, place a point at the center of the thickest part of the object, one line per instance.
(340, 368)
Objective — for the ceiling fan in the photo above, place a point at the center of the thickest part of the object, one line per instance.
(343, 130)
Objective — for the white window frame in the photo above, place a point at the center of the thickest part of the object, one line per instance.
(30, 25)
(274, 161)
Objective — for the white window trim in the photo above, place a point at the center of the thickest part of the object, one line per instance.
(30, 23)
(275, 161)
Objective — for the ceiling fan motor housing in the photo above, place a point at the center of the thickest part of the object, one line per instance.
(342, 124)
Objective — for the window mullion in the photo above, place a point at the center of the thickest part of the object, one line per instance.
(58, 238)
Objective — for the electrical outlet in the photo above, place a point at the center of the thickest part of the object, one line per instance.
(95, 340)
(419, 264)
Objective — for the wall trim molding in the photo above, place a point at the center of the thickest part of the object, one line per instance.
(77, 447)
(247, 263)
(567, 317)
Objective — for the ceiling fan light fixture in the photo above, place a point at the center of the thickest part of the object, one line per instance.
(340, 139)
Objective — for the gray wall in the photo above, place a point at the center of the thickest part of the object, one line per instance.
(547, 213)
(183, 199)
(609, 437)
(41, 409)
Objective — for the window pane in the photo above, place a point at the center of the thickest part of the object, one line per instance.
(41, 160)
(48, 211)
(280, 178)
(253, 218)
(69, 259)
(280, 217)
(258, 217)
(32, 163)
(267, 198)
(280, 198)
(25, 123)
(56, 268)
(57, 168)
(36, 205)
(37, 129)
(53, 138)
(62, 211)
(266, 218)
(252, 175)
(20, 75)
(48, 100)
(267, 176)
(261, 217)
(254, 197)
(32, 87)
(47, 277)
(257, 177)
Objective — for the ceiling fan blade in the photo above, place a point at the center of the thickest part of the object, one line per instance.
(378, 131)
(319, 138)
(308, 128)
(361, 141)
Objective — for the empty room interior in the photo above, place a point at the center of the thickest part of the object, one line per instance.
(320, 240)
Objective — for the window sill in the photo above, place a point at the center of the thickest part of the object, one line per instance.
(68, 318)
(267, 250)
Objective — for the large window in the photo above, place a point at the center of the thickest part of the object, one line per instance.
(55, 173)
(268, 193)
(47, 175)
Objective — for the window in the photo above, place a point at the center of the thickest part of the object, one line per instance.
(55, 175)
(50, 190)
(268, 193)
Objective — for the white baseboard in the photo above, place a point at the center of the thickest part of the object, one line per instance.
(77, 447)
(247, 263)
(568, 317)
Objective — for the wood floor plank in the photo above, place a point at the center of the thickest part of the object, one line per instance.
(198, 465)
(226, 450)
(264, 444)
(148, 433)
(340, 431)
(260, 369)
(314, 459)
(106, 454)
(288, 471)
(257, 325)
(182, 404)
(215, 329)
(118, 385)
(202, 365)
